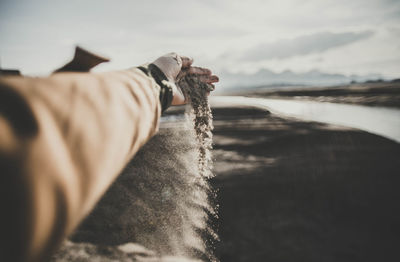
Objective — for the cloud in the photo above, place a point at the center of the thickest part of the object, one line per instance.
(303, 45)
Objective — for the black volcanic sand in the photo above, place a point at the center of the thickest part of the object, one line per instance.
(385, 94)
(288, 190)
(291, 190)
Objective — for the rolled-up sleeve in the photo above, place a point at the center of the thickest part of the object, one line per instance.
(63, 141)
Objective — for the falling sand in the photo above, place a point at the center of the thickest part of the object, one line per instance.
(162, 200)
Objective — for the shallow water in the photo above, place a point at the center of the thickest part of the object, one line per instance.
(377, 120)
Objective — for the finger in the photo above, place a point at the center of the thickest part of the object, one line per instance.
(181, 74)
(194, 70)
(209, 79)
(214, 79)
(186, 61)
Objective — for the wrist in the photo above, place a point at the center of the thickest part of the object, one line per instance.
(166, 92)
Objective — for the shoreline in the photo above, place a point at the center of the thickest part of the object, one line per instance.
(385, 94)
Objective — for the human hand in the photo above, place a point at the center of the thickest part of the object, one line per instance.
(176, 67)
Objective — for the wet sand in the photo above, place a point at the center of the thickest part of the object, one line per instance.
(291, 190)
(288, 190)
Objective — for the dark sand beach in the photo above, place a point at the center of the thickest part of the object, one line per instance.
(287, 190)
(291, 190)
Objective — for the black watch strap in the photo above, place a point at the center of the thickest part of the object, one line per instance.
(166, 94)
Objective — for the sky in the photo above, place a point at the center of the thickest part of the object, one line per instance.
(333, 36)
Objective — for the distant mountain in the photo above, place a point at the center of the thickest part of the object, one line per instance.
(265, 77)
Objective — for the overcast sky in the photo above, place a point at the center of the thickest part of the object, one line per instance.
(335, 36)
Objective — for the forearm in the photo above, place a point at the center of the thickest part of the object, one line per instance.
(88, 127)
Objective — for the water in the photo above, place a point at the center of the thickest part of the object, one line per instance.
(377, 120)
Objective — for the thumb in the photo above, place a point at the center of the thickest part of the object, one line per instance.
(170, 64)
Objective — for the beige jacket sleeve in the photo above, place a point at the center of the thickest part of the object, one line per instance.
(63, 141)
